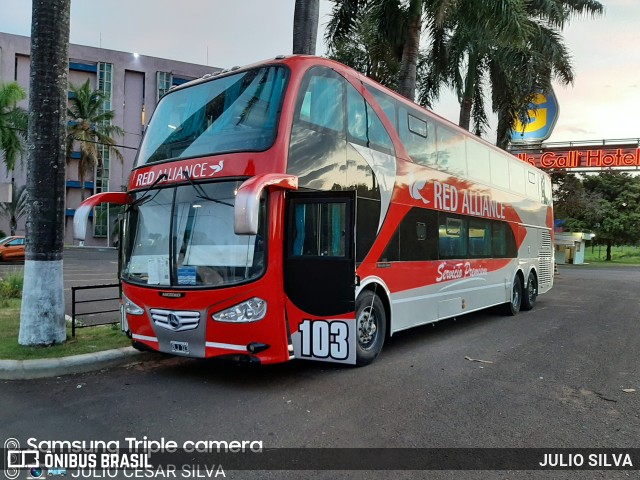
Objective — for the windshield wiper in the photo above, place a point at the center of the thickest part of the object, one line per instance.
(143, 198)
(200, 191)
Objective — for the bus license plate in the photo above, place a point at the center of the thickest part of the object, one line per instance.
(180, 347)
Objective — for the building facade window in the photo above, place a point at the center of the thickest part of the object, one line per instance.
(164, 81)
(101, 217)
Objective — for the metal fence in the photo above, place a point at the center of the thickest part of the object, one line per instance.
(103, 305)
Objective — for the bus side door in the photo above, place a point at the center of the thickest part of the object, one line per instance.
(319, 275)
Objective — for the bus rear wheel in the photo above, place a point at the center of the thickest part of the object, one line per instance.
(513, 306)
(530, 292)
(371, 327)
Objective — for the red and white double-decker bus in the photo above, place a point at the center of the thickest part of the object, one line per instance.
(296, 209)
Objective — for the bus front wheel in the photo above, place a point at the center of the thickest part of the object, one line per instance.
(371, 327)
(513, 306)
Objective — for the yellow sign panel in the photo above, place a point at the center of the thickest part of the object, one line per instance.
(542, 118)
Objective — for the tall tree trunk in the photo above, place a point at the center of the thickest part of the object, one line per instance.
(42, 317)
(305, 26)
(466, 102)
(81, 177)
(465, 112)
(13, 221)
(608, 259)
(503, 131)
(13, 224)
(409, 62)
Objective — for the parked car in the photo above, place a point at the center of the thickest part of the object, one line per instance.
(12, 248)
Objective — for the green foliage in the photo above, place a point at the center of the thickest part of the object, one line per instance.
(509, 48)
(13, 123)
(366, 52)
(619, 219)
(89, 127)
(87, 340)
(17, 208)
(607, 204)
(503, 50)
(580, 209)
(624, 254)
(380, 38)
(11, 285)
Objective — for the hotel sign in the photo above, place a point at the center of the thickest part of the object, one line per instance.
(606, 157)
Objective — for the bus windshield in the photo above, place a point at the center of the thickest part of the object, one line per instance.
(233, 113)
(184, 237)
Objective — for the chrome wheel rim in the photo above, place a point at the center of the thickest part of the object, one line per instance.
(367, 327)
(532, 289)
(515, 300)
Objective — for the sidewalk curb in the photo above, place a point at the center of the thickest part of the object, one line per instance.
(54, 367)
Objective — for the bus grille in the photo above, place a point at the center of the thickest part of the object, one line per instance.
(178, 321)
(545, 260)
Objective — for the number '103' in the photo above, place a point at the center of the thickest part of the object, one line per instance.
(323, 339)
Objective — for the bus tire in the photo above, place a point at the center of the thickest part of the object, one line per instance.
(371, 327)
(512, 307)
(530, 293)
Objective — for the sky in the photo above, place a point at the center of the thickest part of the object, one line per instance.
(603, 103)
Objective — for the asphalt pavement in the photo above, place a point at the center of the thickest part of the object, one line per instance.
(565, 375)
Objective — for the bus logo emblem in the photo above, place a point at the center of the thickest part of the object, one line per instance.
(415, 188)
(173, 320)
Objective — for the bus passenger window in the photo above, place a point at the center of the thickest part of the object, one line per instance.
(356, 116)
(478, 163)
(452, 154)
(545, 186)
(516, 178)
(499, 240)
(318, 230)
(417, 135)
(364, 125)
(322, 103)
(479, 238)
(533, 191)
(387, 103)
(503, 242)
(380, 139)
(499, 169)
(452, 237)
(417, 126)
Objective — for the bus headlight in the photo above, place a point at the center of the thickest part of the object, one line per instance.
(250, 310)
(130, 307)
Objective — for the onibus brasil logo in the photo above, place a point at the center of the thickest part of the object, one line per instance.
(19, 459)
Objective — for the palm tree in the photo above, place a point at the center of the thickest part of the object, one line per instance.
(42, 313)
(514, 47)
(366, 52)
(17, 208)
(517, 74)
(305, 26)
(399, 25)
(13, 123)
(89, 127)
(471, 34)
(547, 59)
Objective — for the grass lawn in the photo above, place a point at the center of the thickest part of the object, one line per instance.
(629, 255)
(88, 340)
